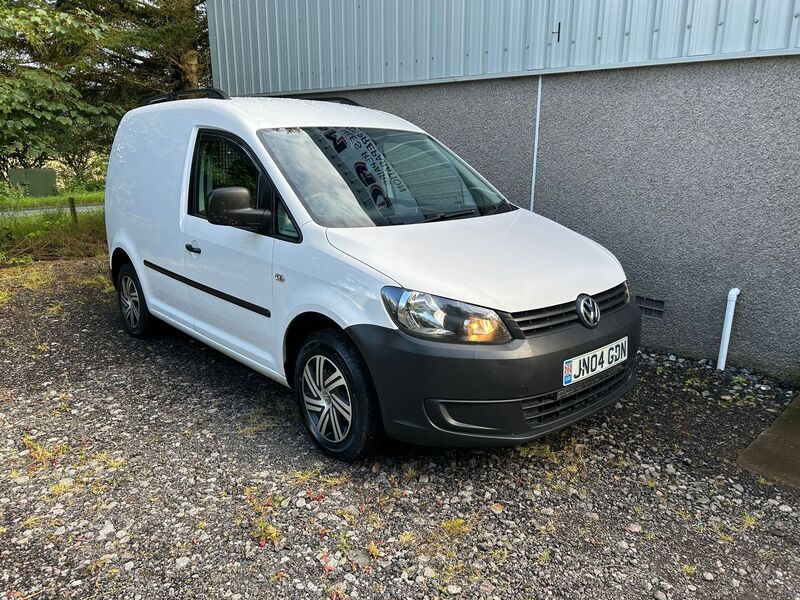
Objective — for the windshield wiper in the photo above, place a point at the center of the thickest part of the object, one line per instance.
(449, 215)
(504, 204)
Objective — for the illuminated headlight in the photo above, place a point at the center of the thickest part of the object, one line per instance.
(437, 318)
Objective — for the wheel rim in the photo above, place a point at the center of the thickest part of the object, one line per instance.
(129, 301)
(326, 397)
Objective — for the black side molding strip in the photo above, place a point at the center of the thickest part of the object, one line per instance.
(204, 288)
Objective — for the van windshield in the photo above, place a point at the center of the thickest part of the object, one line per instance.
(362, 177)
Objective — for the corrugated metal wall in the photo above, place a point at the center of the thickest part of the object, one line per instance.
(280, 46)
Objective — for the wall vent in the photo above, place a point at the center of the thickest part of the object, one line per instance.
(650, 307)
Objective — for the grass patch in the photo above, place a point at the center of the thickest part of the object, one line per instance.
(51, 235)
(57, 201)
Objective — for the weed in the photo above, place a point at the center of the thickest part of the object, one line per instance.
(500, 556)
(373, 550)
(534, 450)
(98, 282)
(303, 477)
(265, 532)
(409, 471)
(32, 521)
(40, 454)
(748, 520)
(689, 569)
(55, 309)
(622, 463)
(456, 528)
(748, 401)
(406, 538)
(544, 556)
(697, 383)
(333, 480)
(343, 545)
(5, 296)
(739, 380)
(62, 487)
(104, 459)
(259, 421)
(728, 539)
(347, 516)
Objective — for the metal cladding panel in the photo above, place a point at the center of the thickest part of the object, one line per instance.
(283, 46)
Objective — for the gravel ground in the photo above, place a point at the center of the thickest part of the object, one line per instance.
(160, 468)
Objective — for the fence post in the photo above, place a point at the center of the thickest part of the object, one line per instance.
(72, 210)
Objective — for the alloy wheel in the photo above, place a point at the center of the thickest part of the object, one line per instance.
(326, 397)
(129, 299)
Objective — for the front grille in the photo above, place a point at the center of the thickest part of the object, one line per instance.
(533, 322)
(551, 407)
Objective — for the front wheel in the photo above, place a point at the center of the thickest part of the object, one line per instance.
(335, 395)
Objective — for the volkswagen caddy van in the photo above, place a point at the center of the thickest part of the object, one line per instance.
(348, 255)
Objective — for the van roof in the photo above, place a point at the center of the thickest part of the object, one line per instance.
(267, 113)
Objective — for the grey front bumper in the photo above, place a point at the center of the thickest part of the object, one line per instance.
(442, 394)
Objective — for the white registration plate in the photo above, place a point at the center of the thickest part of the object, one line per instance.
(591, 363)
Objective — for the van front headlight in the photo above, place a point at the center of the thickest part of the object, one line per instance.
(442, 319)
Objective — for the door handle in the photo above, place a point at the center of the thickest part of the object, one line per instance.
(193, 249)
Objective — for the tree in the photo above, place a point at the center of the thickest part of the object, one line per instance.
(149, 48)
(39, 50)
(70, 68)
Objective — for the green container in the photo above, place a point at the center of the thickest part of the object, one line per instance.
(34, 182)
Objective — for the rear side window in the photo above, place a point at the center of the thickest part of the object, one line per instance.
(221, 162)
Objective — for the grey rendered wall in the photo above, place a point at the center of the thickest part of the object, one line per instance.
(690, 174)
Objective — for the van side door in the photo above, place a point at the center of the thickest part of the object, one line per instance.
(229, 269)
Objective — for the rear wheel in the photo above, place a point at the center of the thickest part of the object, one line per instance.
(132, 305)
(335, 395)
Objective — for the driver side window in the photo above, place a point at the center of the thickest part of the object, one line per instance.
(222, 162)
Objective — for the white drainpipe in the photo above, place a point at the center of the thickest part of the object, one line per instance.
(726, 329)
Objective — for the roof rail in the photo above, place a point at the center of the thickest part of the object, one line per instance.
(190, 94)
(336, 99)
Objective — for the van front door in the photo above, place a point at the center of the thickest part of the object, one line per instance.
(228, 269)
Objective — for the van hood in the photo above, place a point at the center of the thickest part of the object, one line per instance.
(512, 261)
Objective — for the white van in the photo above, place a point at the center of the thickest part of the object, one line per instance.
(348, 255)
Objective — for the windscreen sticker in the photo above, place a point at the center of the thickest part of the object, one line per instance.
(366, 170)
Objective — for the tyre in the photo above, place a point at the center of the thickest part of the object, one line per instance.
(132, 304)
(335, 395)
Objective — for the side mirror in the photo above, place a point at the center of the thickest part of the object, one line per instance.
(232, 206)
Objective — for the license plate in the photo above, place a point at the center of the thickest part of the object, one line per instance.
(583, 366)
